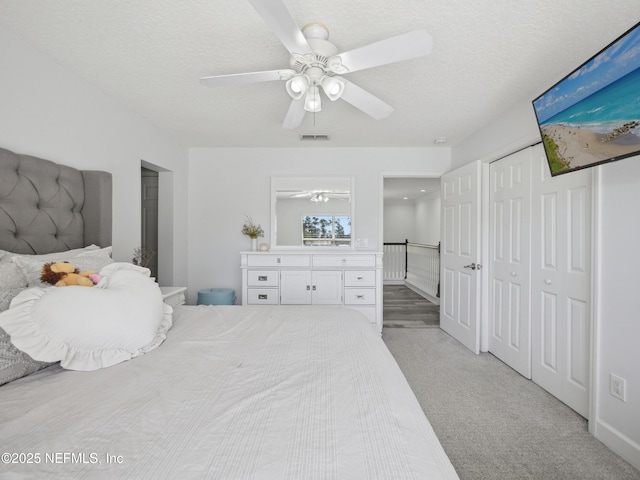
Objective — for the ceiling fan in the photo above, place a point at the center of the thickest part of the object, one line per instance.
(315, 64)
(320, 196)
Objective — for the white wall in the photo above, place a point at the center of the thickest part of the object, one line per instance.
(227, 183)
(428, 219)
(399, 221)
(514, 129)
(616, 321)
(619, 305)
(51, 113)
(417, 221)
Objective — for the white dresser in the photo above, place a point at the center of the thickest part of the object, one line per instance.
(301, 277)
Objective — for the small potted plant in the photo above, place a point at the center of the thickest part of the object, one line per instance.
(142, 256)
(252, 231)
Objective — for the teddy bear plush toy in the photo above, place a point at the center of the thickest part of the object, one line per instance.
(61, 274)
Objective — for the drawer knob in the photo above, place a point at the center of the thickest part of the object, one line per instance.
(360, 297)
(262, 278)
(262, 296)
(359, 278)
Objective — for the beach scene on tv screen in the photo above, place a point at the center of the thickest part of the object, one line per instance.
(593, 115)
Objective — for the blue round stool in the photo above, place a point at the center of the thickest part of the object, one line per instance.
(216, 296)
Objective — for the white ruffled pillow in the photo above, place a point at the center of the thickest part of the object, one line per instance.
(87, 328)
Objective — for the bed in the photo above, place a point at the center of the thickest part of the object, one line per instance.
(220, 392)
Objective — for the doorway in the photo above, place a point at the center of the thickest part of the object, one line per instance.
(410, 234)
(149, 221)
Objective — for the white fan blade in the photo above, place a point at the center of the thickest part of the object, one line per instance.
(243, 78)
(409, 45)
(275, 14)
(365, 101)
(295, 114)
(338, 197)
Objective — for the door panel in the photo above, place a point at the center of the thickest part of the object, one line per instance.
(560, 279)
(327, 287)
(509, 266)
(460, 295)
(548, 342)
(295, 287)
(304, 287)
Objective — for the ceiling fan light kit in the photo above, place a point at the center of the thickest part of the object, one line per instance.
(297, 86)
(333, 87)
(315, 63)
(312, 101)
(319, 198)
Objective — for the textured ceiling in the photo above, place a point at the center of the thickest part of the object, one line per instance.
(150, 54)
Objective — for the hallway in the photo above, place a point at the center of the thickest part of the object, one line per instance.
(404, 308)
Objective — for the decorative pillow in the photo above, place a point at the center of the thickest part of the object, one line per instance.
(14, 363)
(87, 328)
(6, 256)
(11, 277)
(12, 282)
(31, 265)
(7, 295)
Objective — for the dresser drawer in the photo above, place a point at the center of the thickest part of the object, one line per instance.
(274, 260)
(359, 296)
(263, 278)
(359, 278)
(344, 260)
(262, 296)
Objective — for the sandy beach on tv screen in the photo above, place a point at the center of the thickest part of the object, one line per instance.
(580, 146)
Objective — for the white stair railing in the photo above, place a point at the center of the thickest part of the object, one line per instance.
(423, 269)
(394, 262)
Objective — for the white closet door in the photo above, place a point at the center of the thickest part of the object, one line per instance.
(460, 255)
(560, 282)
(509, 267)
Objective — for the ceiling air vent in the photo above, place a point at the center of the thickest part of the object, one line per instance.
(313, 137)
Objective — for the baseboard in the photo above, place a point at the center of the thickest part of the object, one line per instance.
(393, 282)
(618, 442)
(422, 293)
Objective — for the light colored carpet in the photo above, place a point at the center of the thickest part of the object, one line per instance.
(493, 423)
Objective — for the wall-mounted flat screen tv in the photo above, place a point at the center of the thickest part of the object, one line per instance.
(592, 116)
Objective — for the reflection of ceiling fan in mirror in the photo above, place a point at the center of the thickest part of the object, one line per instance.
(321, 195)
(315, 64)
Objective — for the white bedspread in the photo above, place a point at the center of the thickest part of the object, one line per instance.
(233, 393)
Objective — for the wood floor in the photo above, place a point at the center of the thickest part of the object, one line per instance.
(404, 308)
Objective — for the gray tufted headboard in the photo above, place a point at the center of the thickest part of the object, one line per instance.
(46, 207)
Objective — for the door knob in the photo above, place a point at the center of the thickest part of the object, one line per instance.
(473, 266)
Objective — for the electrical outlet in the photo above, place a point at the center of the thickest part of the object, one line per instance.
(618, 387)
(362, 242)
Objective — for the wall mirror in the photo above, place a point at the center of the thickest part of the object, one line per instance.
(312, 212)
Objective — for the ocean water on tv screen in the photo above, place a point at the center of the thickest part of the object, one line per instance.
(607, 109)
